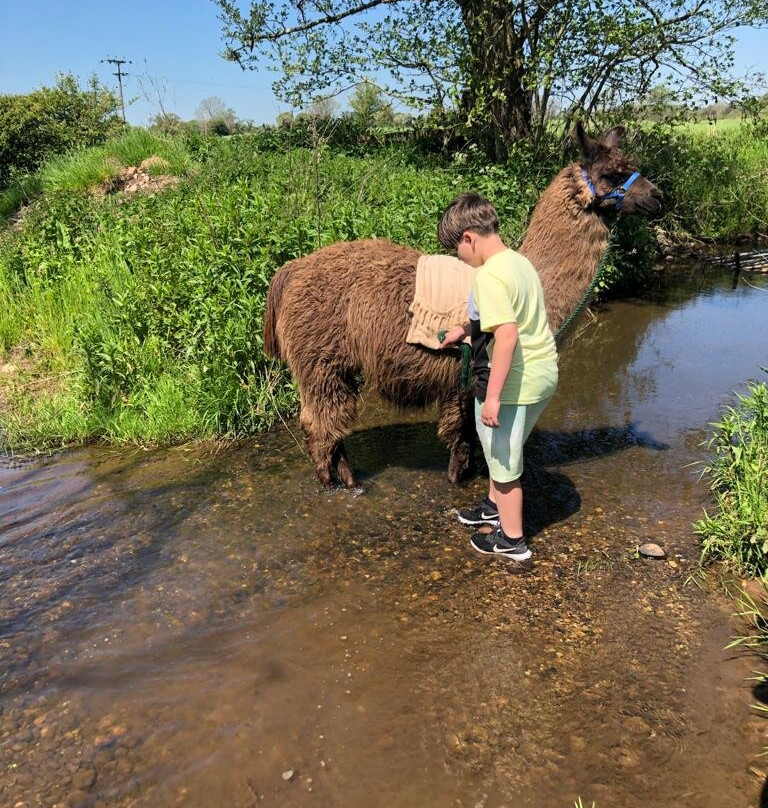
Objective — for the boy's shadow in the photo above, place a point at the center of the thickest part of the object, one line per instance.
(548, 497)
(551, 496)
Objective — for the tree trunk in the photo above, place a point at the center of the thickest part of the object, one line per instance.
(497, 101)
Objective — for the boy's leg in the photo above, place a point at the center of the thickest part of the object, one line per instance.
(509, 500)
(503, 450)
(486, 512)
(508, 496)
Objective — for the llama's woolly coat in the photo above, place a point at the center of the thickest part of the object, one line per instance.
(342, 313)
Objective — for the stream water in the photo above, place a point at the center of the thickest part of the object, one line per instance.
(205, 626)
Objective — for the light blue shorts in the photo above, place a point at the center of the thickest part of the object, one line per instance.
(503, 445)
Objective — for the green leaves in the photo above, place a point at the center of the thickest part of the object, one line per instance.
(738, 475)
(510, 68)
(50, 121)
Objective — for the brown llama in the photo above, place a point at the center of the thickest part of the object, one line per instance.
(341, 313)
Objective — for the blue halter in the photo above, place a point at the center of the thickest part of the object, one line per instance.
(616, 193)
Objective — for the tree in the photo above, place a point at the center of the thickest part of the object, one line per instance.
(53, 119)
(661, 103)
(322, 109)
(169, 123)
(215, 117)
(369, 106)
(502, 64)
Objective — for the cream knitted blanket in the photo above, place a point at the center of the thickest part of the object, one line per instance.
(443, 284)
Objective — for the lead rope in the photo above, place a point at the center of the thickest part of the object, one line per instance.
(584, 300)
(465, 374)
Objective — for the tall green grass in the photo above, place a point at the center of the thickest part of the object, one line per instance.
(144, 315)
(737, 531)
(82, 169)
(715, 184)
(153, 307)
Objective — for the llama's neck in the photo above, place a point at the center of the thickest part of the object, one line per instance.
(565, 241)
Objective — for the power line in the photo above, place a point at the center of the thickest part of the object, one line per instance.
(119, 74)
(216, 84)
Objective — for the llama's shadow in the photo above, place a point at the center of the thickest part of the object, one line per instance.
(416, 446)
(552, 495)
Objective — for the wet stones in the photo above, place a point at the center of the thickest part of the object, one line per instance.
(625, 757)
(636, 725)
(84, 778)
(651, 550)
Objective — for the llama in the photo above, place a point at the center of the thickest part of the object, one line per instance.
(341, 313)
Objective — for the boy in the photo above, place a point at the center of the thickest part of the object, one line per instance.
(509, 299)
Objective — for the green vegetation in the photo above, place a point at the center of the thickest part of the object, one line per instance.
(83, 168)
(139, 319)
(145, 315)
(714, 184)
(50, 121)
(738, 474)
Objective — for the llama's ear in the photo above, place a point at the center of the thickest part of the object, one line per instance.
(586, 144)
(611, 139)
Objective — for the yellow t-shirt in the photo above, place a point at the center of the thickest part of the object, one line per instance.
(507, 289)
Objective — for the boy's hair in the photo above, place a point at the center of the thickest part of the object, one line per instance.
(469, 211)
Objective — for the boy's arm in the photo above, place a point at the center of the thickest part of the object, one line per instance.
(504, 344)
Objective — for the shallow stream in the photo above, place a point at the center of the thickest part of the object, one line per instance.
(206, 627)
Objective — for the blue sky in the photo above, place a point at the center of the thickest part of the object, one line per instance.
(178, 41)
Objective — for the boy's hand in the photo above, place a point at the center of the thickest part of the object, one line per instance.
(453, 336)
(489, 415)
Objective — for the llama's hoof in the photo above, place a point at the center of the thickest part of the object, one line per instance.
(458, 463)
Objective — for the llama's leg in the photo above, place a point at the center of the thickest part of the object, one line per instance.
(317, 443)
(456, 428)
(325, 422)
(340, 461)
(345, 408)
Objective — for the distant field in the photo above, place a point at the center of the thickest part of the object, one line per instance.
(720, 125)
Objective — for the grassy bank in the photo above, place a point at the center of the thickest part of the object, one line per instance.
(84, 169)
(140, 319)
(715, 183)
(736, 531)
(144, 316)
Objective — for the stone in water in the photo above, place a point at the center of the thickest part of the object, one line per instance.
(651, 550)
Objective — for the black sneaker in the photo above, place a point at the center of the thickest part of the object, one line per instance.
(497, 544)
(486, 513)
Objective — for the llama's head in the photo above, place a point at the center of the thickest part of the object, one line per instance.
(614, 182)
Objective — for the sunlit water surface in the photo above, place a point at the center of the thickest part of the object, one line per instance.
(206, 627)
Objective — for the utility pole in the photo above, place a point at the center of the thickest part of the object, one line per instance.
(119, 74)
